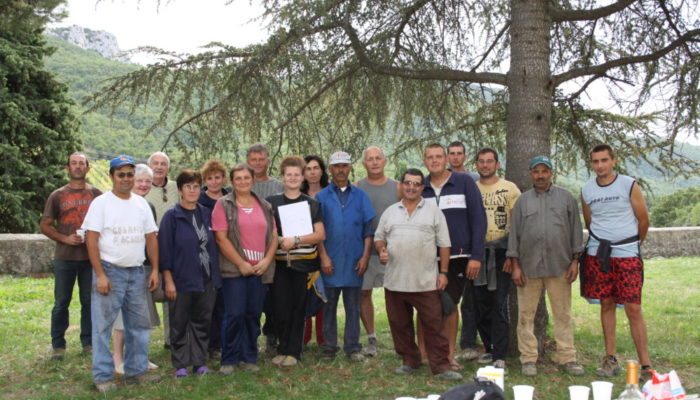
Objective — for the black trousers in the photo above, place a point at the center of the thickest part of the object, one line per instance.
(190, 321)
(288, 294)
(492, 310)
(217, 321)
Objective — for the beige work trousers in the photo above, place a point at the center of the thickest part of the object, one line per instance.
(559, 294)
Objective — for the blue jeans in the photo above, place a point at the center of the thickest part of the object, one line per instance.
(65, 274)
(129, 296)
(243, 304)
(351, 301)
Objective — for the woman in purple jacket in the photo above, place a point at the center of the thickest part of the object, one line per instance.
(190, 263)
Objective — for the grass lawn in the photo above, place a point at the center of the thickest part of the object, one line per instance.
(671, 305)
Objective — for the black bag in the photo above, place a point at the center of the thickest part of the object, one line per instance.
(480, 389)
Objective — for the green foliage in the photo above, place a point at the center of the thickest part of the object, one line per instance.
(37, 125)
(681, 208)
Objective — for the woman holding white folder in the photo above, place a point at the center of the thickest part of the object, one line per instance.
(300, 228)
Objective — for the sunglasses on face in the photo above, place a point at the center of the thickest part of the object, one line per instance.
(122, 175)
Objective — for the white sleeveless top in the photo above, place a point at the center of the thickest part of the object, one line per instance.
(612, 216)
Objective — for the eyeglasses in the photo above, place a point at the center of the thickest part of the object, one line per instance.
(191, 187)
(122, 175)
(412, 183)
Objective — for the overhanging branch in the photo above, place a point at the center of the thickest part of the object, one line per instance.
(589, 15)
(601, 69)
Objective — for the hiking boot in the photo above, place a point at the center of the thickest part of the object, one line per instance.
(485, 358)
(469, 354)
(529, 369)
(449, 375)
(226, 370)
(357, 357)
(277, 360)
(106, 386)
(289, 361)
(499, 364)
(372, 347)
(404, 370)
(609, 367)
(573, 368)
(181, 373)
(644, 375)
(248, 367)
(143, 379)
(57, 353)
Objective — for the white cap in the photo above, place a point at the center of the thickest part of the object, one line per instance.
(340, 157)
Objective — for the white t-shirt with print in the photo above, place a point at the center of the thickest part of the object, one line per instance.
(122, 225)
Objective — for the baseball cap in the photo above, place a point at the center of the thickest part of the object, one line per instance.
(120, 161)
(541, 160)
(340, 157)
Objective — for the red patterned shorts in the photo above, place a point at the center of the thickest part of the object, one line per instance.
(623, 283)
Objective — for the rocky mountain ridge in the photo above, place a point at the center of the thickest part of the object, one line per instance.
(104, 43)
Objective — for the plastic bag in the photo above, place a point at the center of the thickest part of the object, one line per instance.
(663, 387)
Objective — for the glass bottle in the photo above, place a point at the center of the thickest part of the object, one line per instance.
(632, 391)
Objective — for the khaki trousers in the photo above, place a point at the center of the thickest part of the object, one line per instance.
(559, 294)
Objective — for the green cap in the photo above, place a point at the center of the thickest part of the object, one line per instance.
(541, 160)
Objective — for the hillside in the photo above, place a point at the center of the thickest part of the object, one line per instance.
(83, 70)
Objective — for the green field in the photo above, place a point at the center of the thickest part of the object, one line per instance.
(671, 304)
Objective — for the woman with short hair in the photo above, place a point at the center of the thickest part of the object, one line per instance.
(190, 263)
(245, 232)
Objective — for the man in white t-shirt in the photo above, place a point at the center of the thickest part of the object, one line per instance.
(118, 227)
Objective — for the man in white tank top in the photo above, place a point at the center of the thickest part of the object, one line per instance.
(617, 219)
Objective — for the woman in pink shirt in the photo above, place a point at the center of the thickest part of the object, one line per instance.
(245, 231)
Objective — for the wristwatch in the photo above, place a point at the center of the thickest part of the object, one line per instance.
(297, 240)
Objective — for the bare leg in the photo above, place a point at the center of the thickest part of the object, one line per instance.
(638, 329)
(367, 311)
(607, 319)
(118, 353)
(451, 323)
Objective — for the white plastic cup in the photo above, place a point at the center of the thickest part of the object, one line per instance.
(433, 397)
(81, 233)
(405, 398)
(579, 392)
(602, 390)
(523, 392)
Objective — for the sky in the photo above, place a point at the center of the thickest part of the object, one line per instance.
(176, 25)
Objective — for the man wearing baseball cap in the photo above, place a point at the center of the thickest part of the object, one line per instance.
(347, 217)
(544, 245)
(118, 227)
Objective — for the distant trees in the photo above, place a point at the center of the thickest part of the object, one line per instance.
(681, 208)
(38, 130)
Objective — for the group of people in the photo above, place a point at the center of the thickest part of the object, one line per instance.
(452, 241)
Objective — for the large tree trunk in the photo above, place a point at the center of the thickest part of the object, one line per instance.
(529, 113)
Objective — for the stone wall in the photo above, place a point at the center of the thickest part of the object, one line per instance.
(25, 254)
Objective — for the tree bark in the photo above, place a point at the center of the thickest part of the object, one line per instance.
(529, 111)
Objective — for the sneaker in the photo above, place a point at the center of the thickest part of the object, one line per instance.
(151, 366)
(372, 347)
(289, 361)
(609, 367)
(499, 364)
(248, 367)
(469, 354)
(143, 379)
(529, 369)
(87, 350)
(106, 386)
(644, 375)
(201, 370)
(449, 375)
(573, 368)
(277, 360)
(119, 369)
(357, 357)
(485, 358)
(181, 373)
(404, 369)
(226, 370)
(57, 353)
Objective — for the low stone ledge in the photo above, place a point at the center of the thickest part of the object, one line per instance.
(26, 254)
